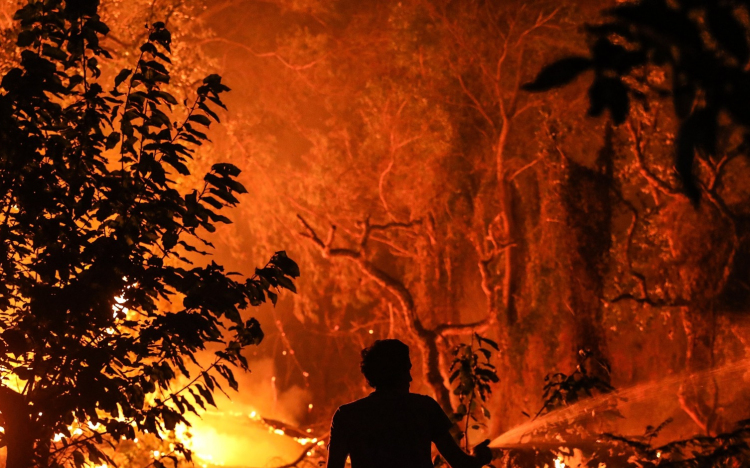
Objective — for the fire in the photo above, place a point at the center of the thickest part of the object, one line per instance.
(245, 438)
(259, 426)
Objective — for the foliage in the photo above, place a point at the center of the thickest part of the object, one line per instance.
(472, 374)
(704, 46)
(102, 308)
(595, 447)
(561, 390)
(558, 437)
(730, 449)
(723, 450)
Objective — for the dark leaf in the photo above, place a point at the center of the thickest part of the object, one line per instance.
(112, 140)
(612, 94)
(201, 119)
(122, 76)
(559, 73)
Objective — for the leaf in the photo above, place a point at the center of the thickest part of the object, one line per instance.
(224, 195)
(26, 38)
(287, 265)
(612, 94)
(492, 343)
(201, 119)
(226, 169)
(208, 111)
(273, 296)
(124, 73)
(79, 459)
(212, 201)
(15, 341)
(112, 140)
(169, 240)
(54, 52)
(559, 73)
(287, 283)
(166, 96)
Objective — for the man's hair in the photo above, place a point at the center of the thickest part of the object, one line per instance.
(385, 363)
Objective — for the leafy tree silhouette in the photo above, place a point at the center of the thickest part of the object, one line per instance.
(101, 307)
(702, 44)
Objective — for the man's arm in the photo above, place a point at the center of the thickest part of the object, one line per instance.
(337, 448)
(457, 458)
(337, 454)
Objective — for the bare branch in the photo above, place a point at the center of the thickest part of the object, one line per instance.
(450, 329)
(477, 105)
(395, 287)
(527, 166)
(275, 55)
(381, 189)
(304, 454)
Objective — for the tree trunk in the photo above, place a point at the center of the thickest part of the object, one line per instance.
(428, 347)
(19, 435)
(699, 396)
(587, 201)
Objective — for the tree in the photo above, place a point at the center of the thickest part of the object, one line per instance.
(104, 305)
(704, 47)
(694, 54)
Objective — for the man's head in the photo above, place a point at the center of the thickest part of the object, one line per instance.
(386, 365)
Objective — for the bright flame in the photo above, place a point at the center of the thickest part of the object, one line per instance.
(239, 434)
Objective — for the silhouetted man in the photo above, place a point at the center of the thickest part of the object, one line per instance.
(392, 428)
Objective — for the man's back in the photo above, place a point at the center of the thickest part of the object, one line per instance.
(389, 429)
(393, 428)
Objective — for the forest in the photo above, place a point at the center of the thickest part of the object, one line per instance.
(548, 201)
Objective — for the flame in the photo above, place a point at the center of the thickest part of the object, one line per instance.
(236, 444)
(235, 438)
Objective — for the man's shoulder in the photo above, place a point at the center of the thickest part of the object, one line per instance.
(373, 400)
(357, 404)
(422, 399)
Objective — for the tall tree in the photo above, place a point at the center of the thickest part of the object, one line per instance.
(105, 300)
(695, 54)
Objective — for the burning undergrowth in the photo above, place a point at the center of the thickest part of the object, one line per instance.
(586, 423)
(257, 426)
